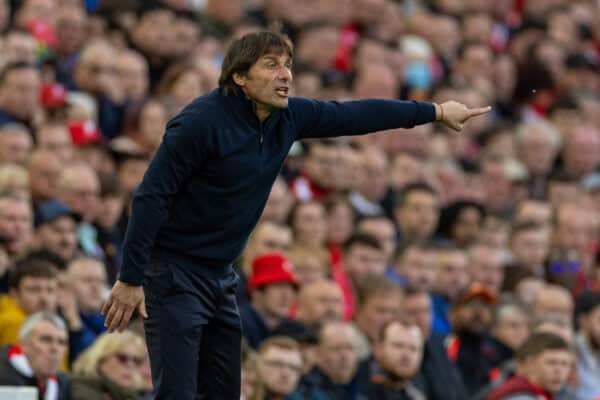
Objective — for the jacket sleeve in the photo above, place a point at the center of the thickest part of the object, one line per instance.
(320, 119)
(180, 153)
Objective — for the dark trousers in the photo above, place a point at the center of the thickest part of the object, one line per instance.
(193, 332)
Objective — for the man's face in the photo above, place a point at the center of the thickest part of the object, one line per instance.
(45, 349)
(70, 28)
(512, 329)
(418, 267)
(310, 226)
(419, 214)
(280, 370)
(82, 195)
(535, 211)
(321, 302)
(15, 147)
(487, 269)
(131, 173)
(550, 369)
(44, 172)
(474, 317)
(383, 229)
(530, 247)
(59, 236)
(379, 309)
(19, 93)
(336, 355)
(56, 139)
(452, 275)
(87, 280)
(418, 307)
(268, 81)
(16, 224)
(399, 354)
(20, 47)
(275, 299)
(36, 294)
(320, 164)
(361, 261)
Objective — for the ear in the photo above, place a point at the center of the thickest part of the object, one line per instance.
(239, 79)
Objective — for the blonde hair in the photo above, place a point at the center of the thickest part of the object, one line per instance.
(11, 175)
(88, 363)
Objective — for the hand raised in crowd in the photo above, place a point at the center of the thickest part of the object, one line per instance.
(121, 303)
(454, 114)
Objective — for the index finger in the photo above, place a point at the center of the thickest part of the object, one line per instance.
(106, 305)
(473, 112)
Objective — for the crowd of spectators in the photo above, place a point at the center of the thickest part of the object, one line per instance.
(406, 264)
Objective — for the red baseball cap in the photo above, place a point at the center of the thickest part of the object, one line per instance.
(84, 132)
(53, 95)
(271, 268)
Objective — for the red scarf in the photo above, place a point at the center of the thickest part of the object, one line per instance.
(19, 362)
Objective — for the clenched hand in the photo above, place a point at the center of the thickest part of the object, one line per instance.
(454, 114)
(123, 299)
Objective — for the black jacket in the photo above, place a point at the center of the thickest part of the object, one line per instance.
(209, 181)
(11, 377)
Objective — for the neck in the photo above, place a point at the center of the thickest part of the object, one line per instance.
(271, 320)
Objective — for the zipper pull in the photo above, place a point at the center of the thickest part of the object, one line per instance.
(261, 137)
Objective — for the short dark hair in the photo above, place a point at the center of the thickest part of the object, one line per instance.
(15, 67)
(537, 343)
(525, 226)
(31, 267)
(401, 196)
(245, 52)
(404, 246)
(374, 285)
(48, 256)
(363, 239)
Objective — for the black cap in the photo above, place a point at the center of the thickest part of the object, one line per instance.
(51, 210)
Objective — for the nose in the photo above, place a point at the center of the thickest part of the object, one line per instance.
(285, 74)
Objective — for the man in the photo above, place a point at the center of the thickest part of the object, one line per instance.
(414, 266)
(438, 376)
(273, 291)
(319, 302)
(33, 287)
(334, 375)
(44, 171)
(19, 93)
(203, 194)
(553, 299)
(529, 244)
(543, 365)
(471, 318)
(35, 359)
(416, 211)
(85, 284)
(16, 224)
(588, 346)
(56, 229)
(279, 367)
(15, 144)
(398, 353)
(486, 267)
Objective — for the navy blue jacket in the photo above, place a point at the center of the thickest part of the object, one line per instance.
(208, 183)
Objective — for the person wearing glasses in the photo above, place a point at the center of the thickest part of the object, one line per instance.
(110, 368)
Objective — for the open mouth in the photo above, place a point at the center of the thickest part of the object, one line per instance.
(282, 91)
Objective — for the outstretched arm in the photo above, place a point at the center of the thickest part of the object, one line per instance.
(318, 119)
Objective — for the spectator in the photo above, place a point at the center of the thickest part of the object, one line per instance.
(383, 229)
(416, 211)
(111, 368)
(398, 353)
(544, 362)
(334, 376)
(272, 290)
(509, 330)
(529, 246)
(461, 222)
(44, 172)
(317, 177)
(438, 376)
(15, 144)
(587, 343)
(56, 229)
(414, 266)
(35, 359)
(486, 267)
(310, 264)
(371, 188)
(33, 287)
(85, 284)
(19, 93)
(55, 138)
(553, 299)
(279, 368)
(319, 302)
(451, 279)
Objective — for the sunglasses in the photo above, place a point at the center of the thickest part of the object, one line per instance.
(126, 359)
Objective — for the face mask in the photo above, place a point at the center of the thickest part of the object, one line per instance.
(418, 75)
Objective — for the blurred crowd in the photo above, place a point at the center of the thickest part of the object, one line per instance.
(409, 264)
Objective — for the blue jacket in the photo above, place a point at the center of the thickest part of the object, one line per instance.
(208, 183)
